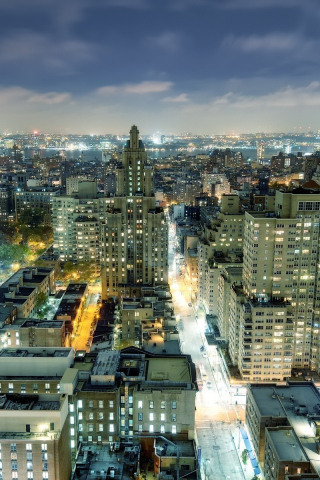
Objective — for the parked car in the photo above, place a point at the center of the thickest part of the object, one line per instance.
(209, 384)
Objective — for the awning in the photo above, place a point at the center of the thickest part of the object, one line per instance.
(251, 452)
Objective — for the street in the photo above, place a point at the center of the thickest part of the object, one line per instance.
(217, 419)
(82, 335)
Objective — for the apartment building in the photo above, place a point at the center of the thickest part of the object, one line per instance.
(228, 279)
(133, 392)
(35, 433)
(283, 424)
(36, 198)
(281, 282)
(220, 243)
(215, 184)
(76, 224)
(134, 315)
(51, 397)
(135, 232)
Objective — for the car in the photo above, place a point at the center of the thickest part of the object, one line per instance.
(209, 384)
(204, 354)
(190, 304)
(202, 348)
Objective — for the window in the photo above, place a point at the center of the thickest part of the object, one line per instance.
(111, 427)
(79, 403)
(174, 429)
(162, 429)
(90, 415)
(151, 404)
(174, 417)
(173, 405)
(100, 427)
(90, 403)
(89, 438)
(47, 387)
(111, 416)
(151, 428)
(72, 432)
(80, 415)
(29, 447)
(100, 416)
(151, 417)
(139, 403)
(44, 447)
(100, 403)
(90, 427)
(44, 456)
(13, 447)
(140, 417)
(163, 404)
(29, 466)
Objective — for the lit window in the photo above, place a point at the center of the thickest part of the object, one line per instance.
(140, 404)
(173, 429)
(151, 417)
(151, 428)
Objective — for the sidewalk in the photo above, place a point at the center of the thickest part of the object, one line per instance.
(247, 469)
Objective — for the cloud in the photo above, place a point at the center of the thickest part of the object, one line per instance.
(178, 99)
(258, 4)
(16, 95)
(169, 41)
(50, 52)
(49, 98)
(287, 97)
(272, 42)
(138, 88)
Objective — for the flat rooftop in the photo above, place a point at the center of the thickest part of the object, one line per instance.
(287, 445)
(35, 352)
(26, 402)
(168, 368)
(106, 363)
(267, 405)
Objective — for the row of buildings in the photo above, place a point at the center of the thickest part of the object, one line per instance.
(53, 402)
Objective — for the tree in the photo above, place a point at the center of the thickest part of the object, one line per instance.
(13, 253)
(244, 456)
(32, 217)
(42, 306)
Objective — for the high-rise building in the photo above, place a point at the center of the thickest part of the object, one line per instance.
(279, 318)
(134, 233)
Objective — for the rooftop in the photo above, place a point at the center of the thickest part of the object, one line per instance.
(172, 369)
(35, 352)
(287, 445)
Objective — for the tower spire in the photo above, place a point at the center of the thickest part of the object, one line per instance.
(134, 137)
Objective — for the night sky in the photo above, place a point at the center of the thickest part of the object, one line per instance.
(203, 66)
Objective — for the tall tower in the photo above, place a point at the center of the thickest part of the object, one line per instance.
(134, 233)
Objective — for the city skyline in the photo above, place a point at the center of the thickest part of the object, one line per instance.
(205, 67)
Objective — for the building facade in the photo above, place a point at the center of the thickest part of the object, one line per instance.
(134, 234)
